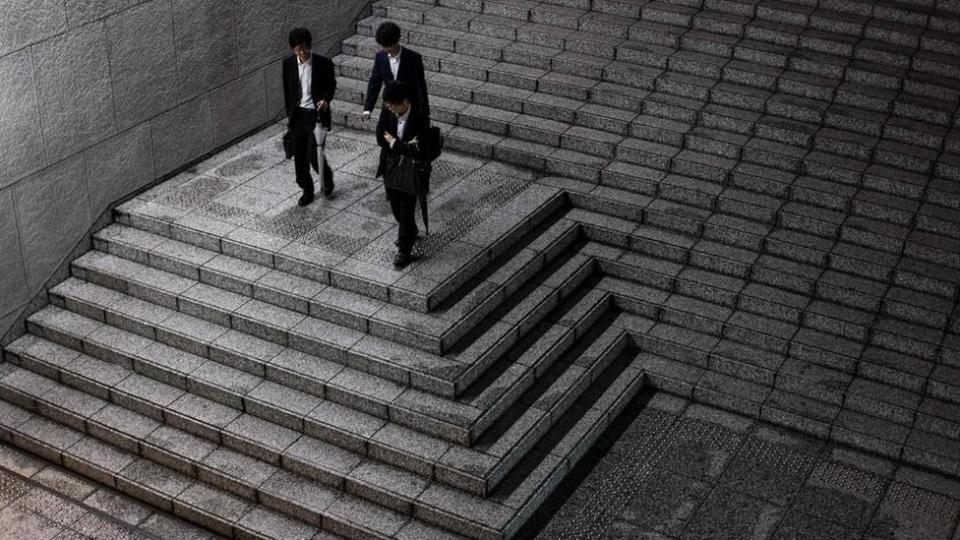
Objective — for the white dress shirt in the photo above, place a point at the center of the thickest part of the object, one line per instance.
(395, 63)
(401, 126)
(306, 83)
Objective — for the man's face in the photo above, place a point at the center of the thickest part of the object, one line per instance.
(302, 52)
(392, 50)
(399, 109)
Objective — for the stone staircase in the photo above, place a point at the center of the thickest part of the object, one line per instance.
(755, 205)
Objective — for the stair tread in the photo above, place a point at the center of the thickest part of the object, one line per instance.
(222, 504)
(455, 420)
(293, 447)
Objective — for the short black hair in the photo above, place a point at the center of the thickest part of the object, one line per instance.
(388, 33)
(395, 92)
(300, 36)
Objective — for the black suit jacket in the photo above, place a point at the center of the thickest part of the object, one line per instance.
(417, 123)
(323, 85)
(410, 73)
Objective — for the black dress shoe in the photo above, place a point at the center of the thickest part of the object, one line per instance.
(305, 199)
(327, 187)
(402, 259)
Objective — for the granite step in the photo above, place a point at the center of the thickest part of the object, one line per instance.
(279, 326)
(435, 332)
(260, 358)
(645, 144)
(274, 452)
(643, 162)
(794, 25)
(343, 394)
(172, 491)
(550, 74)
(210, 464)
(822, 333)
(698, 61)
(604, 48)
(805, 397)
(763, 312)
(842, 274)
(546, 293)
(791, 116)
(474, 355)
(796, 230)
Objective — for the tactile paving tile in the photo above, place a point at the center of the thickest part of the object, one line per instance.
(712, 434)
(244, 164)
(195, 194)
(291, 224)
(345, 234)
(447, 172)
(341, 150)
(910, 512)
(448, 224)
(11, 488)
(229, 214)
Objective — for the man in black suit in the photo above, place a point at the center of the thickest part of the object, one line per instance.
(309, 83)
(396, 63)
(397, 134)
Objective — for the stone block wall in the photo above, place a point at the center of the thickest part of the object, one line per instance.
(99, 98)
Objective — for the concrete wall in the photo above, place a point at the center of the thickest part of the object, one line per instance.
(99, 98)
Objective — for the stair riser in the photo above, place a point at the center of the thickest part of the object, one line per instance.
(617, 401)
(304, 343)
(800, 139)
(767, 308)
(181, 509)
(790, 89)
(547, 360)
(218, 436)
(551, 416)
(293, 421)
(757, 157)
(214, 477)
(321, 274)
(343, 396)
(220, 316)
(610, 52)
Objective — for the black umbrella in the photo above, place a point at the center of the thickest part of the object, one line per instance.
(423, 188)
(422, 200)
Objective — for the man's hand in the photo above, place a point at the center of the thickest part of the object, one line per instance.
(322, 105)
(389, 138)
(366, 116)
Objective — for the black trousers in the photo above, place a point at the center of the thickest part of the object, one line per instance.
(301, 132)
(404, 206)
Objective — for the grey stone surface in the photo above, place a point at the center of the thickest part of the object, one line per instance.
(21, 137)
(181, 134)
(80, 12)
(260, 27)
(140, 92)
(13, 276)
(202, 34)
(244, 94)
(53, 211)
(36, 21)
(76, 97)
(118, 166)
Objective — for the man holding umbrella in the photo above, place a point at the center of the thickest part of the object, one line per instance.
(402, 155)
